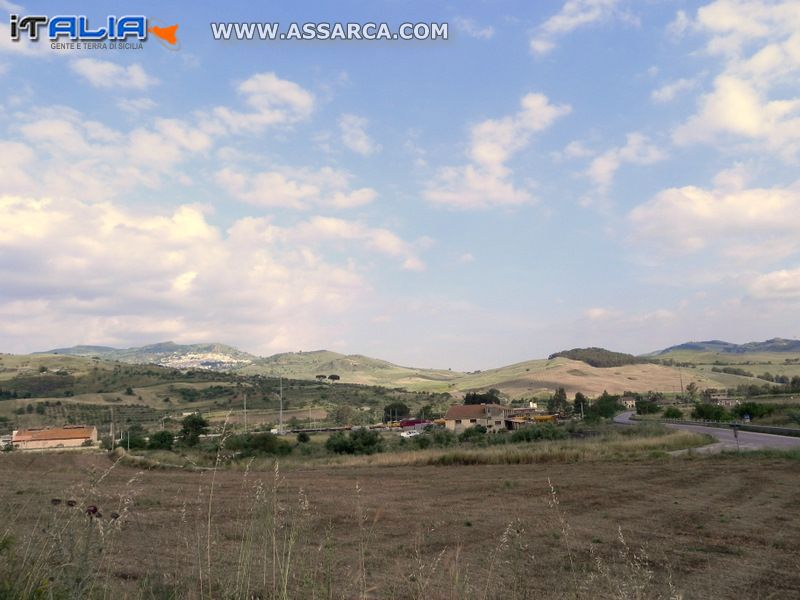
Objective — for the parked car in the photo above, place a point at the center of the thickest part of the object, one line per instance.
(410, 434)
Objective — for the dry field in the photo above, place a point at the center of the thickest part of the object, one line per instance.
(689, 528)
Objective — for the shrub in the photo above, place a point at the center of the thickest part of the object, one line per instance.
(303, 438)
(473, 434)
(359, 441)
(710, 412)
(161, 440)
(754, 409)
(443, 438)
(254, 444)
(672, 413)
(532, 433)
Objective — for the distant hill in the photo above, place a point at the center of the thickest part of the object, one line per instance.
(773, 345)
(218, 357)
(588, 370)
(600, 357)
(352, 368)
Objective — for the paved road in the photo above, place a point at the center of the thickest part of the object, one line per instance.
(748, 440)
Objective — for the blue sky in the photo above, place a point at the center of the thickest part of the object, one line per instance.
(556, 174)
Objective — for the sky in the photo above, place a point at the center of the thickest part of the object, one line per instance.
(555, 174)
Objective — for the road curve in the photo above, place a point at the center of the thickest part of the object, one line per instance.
(748, 440)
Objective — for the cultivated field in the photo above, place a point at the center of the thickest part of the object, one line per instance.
(692, 528)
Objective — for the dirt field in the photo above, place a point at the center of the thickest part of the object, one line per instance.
(692, 528)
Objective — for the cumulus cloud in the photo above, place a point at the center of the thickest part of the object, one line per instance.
(272, 101)
(669, 91)
(354, 134)
(298, 189)
(108, 75)
(637, 150)
(758, 45)
(486, 181)
(575, 14)
(147, 276)
(777, 285)
(747, 224)
(102, 162)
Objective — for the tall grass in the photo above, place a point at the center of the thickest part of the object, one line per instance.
(280, 548)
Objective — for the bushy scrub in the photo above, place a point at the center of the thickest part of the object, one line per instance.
(754, 410)
(672, 413)
(710, 412)
(473, 434)
(161, 440)
(358, 441)
(255, 444)
(533, 433)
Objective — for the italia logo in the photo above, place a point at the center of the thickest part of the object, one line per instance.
(77, 28)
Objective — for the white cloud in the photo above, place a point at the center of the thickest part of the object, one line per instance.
(575, 14)
(136, 105)
(485, 181)
(106, 74)
(637, 150)
(274, 101)
(473, 30)
(171, 274)
(679, 24)
(777, 285)
(669, 91)
(298, 189)
(749, 225)
(751, 100)
(601, 314)
(354, 135)
(102, 162)
(575, 149)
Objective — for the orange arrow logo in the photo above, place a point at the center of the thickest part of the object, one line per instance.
(165, 33)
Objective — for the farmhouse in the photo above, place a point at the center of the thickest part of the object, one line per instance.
(629, 402)
(720, 398)
(69, 436)
(463, 416)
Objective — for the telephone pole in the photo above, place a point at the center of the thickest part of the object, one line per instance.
(245, 412)
(280, 414)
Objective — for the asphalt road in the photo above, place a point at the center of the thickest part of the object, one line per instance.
(748, 440)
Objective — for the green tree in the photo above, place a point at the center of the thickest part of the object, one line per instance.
(710, 412)
(490, 397)
(557, 402)
(691, 389)
(161, 440)
(134, 437)
(672, 413)
(581, 404)
(192, 427)
(606, 406)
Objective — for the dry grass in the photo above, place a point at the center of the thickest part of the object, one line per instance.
(712, 527)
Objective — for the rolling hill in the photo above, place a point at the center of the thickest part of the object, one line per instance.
(588, 370)
(217, 357)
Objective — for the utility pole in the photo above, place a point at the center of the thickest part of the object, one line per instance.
(112, 428)
(245, 412)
